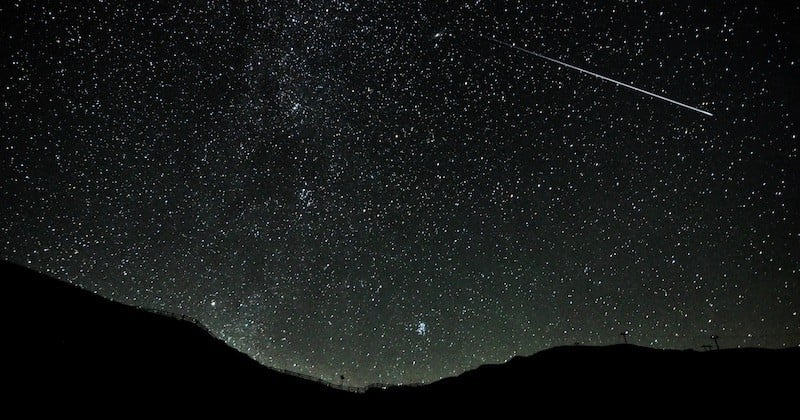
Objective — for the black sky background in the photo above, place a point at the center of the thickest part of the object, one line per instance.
(375, 190)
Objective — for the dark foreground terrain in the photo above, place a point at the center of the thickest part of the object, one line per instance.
(70, 346)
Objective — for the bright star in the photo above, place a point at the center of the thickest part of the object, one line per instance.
(422, 328)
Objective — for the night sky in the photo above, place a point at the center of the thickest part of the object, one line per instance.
(376, 190)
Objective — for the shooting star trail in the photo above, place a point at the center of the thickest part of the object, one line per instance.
(600, 76)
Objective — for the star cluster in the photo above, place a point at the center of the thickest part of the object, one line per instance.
(376, 190)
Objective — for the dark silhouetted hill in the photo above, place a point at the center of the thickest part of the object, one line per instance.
(622, 373)
(62, 341)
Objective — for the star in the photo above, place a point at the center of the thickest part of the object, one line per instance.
(422, 329)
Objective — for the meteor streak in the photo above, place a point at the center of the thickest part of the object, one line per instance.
(600, 76)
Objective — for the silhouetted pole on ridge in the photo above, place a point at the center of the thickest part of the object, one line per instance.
(624, 335)
(715, 338)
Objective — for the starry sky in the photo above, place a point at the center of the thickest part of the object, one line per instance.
(374, 189)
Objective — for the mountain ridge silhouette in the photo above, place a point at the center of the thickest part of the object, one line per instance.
(72, 339)
(69, 342)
